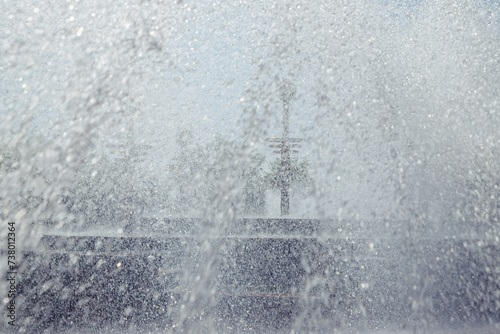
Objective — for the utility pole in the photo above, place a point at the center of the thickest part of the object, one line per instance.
(284, 146)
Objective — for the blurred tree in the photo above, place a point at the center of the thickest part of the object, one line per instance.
(477, 206)
(299, 173)
(106, 192)
(254, 191)
(29, 197)
(9, 159)
(201, 173)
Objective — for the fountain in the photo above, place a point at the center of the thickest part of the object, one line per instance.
(396, 104)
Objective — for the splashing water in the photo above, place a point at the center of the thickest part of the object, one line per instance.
(136, 175)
